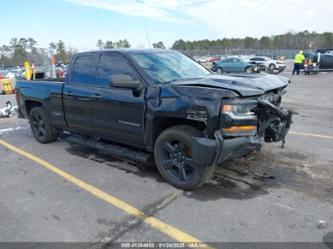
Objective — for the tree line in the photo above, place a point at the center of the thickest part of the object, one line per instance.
(300, 40)
(20, 49)
(123, 44)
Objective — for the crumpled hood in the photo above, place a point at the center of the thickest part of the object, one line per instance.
(243, 84)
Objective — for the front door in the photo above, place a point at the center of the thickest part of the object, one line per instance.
(118, 112)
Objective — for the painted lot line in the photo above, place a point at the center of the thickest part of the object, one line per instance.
(150, 220)
(310, 135)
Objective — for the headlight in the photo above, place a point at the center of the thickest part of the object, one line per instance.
(314, 64)
(240, 109)
(244, 120)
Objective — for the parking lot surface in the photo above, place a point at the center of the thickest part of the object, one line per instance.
(79, 195)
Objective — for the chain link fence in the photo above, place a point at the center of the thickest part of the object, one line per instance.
(273, 53)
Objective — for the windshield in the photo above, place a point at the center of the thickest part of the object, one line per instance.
(164, 67)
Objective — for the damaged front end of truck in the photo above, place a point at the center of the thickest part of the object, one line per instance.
(245, 124)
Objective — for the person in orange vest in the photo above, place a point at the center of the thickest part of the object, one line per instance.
(298, 61)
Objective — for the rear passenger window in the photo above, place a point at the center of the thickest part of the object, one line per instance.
(84, 70)
(111, 65)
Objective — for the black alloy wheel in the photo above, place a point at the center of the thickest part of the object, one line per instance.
(41, 127)
(173, 157)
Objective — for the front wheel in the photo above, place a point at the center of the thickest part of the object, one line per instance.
(219, 70)
(173, 157)
(271, 67)
(41, 127)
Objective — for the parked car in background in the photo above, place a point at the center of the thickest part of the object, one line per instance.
(213, 58)
(329, 52)
(269, 63)
(324, 50)
(201, 59)
(234, 64)
(325, 59)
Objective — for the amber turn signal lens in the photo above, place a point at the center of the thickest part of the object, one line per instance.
(227, 108)
(243, 128)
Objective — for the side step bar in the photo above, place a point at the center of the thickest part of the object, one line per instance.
(112, 149)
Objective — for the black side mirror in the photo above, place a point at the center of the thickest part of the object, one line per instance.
(124, 81)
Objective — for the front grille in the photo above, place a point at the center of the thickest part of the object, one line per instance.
(273, 98)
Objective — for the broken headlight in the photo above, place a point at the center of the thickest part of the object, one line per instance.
(243, 119)
(240, 109)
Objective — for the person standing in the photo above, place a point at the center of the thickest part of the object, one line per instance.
(299, 58)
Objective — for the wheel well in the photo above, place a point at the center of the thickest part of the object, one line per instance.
(29, 105)
(160, 124)
(247, 67)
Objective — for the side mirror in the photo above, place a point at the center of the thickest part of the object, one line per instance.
(124, 81)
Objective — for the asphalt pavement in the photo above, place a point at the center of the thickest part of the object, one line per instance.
(62, 192)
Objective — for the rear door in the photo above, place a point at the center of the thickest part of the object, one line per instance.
(118, 112)
(79, 91)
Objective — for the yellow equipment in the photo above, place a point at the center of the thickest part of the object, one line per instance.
(28, 71)
(6, 86)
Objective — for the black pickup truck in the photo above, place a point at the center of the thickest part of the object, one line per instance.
(157, 104)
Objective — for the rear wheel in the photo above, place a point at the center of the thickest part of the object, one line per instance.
(41, 127)
(173, 157)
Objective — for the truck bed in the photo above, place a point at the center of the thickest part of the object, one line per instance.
(46, 92)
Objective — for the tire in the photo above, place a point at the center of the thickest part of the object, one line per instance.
(271, 67)
(172, 152)
(220, 70)
(248, 70)
(41, 127)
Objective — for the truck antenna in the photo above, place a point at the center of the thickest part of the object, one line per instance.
(147, 35)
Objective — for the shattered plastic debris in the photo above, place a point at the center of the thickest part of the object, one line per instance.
(321, 224)
(8, 111)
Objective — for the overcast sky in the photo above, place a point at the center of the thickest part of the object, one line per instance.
(80, 23)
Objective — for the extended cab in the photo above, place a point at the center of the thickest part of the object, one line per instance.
(161, 103)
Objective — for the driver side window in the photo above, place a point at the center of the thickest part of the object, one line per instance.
(111, 66)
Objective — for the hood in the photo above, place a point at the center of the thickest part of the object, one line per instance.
(243, 84)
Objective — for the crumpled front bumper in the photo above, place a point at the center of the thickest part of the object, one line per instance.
(274, 128)
(215, 151)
